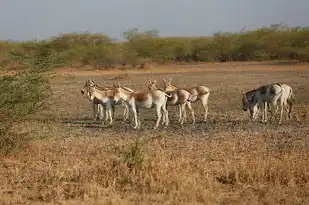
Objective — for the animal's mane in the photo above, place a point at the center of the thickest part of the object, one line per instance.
(102, 88)
(174, 85)
(157, 88)
(251, 91)
(126, 89)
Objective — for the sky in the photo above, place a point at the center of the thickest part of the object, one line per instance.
(41, 19)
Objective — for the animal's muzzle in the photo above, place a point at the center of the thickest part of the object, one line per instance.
(82, 91)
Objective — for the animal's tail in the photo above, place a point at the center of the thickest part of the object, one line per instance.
(168, 95)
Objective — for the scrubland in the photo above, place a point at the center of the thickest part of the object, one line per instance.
(52, 152)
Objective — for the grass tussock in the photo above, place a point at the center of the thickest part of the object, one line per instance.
(179, 171)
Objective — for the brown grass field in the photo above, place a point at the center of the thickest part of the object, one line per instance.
(227, 160)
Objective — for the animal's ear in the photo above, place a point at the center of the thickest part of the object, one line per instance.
(245, 98)
(150, 82)
(117, 85)
(164, 80)
(154, 81)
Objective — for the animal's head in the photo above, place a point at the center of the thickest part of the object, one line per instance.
(152, 85)
(245, 102)
(168, 84)
(91, 91)
(87, 86)
(248, 104)
(117, 91)
(116, 85)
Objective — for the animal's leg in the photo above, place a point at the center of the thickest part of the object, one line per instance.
(281, 114)
(163, 119)
(110, 110)
(106, 113)
(134, 112)
(290, 108)
(127, 115)
(180, 113)
(184, 113)
(125, 112)
(273, 109)
(99, 112)
(113, 111)
(204, 101)
(182, 107)
(94, 111)
(265, 112)
(189, 105)
(165, 113)
(158, 110)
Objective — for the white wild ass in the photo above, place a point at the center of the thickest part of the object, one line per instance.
(98, 106)
(179, 97)
(275, 95)
(198, 93)
(144, 100)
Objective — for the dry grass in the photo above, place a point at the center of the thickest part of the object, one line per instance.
(227, 160)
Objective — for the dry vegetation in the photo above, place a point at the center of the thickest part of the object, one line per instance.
(71, 160)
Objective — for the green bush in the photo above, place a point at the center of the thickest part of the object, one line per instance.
(275, 42)
(22, 95)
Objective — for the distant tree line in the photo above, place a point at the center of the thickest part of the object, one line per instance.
(275, 42)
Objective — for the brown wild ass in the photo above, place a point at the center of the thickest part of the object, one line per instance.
(144, 100)
(179, 98)
(97, 104)
(198, 93)
(106, 98)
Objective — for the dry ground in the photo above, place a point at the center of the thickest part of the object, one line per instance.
(227, 160)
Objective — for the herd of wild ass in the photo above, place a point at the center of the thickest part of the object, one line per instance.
(270, 97)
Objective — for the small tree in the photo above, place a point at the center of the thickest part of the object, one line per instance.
(21, 96)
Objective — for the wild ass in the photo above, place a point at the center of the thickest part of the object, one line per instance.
(97, 104)
(106, 98)
(198, 93)
(97, 108)
(179, 98)
(144, 100)
(258, 99)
